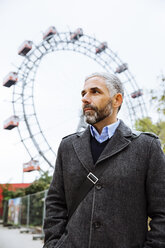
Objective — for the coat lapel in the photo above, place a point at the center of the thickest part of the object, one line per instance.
(119, 141)
(82, 147)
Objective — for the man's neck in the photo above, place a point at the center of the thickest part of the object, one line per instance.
(101, 124)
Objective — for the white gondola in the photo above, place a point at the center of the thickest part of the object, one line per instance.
(122, 68)
(77, 34)
(102, 47)
(32, 165)
(11, 122)
(49, 32)
(137, 93)
(25, 47)
(10, 79)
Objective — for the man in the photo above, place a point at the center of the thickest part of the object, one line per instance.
(114, 212)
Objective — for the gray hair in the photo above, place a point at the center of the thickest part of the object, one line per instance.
(112, 82)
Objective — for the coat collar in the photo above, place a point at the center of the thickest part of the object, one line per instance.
(117, 143)
(120, 140)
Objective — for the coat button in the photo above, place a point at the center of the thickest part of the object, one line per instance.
(97, 224)
(98, 186)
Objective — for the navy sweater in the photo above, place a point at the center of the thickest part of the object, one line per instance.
(97, 148)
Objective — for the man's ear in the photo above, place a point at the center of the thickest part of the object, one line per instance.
(117, 100)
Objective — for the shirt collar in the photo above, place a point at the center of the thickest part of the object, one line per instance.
(106, 133)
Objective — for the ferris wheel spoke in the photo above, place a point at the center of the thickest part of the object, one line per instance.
(31, 134)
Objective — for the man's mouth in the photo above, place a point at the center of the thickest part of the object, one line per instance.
(87, 109)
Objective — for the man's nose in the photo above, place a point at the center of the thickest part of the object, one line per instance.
(86, 99)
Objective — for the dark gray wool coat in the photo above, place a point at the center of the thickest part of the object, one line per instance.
(114, 213)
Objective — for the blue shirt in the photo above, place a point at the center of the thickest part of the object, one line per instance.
(106, 133)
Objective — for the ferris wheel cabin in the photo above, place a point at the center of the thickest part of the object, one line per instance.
(32, 165)
(25, 47)
(122, 68)
(137, 93)
(49, 32)
(11, 122)
(77, 34)
(10, 79)
(101, 48)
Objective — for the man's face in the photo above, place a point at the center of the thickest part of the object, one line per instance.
(96, 101)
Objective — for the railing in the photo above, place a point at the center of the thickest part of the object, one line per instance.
(27, 211)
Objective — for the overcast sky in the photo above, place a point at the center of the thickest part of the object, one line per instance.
(134, 29)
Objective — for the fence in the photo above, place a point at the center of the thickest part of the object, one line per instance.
(27, 211)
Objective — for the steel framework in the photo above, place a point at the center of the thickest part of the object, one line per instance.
(30, 130)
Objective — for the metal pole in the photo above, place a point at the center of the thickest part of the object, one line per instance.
(22, 177)
(43, 216)
(28, 211)
(20, 210)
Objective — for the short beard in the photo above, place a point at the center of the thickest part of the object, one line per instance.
(98, 115)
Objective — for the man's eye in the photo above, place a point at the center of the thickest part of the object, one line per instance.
(95, 91)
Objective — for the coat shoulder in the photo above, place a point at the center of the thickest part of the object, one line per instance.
(70, 136)
(151, 135)
(136, 134)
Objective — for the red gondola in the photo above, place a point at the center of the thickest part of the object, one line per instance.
(77, 34)
(49, 32)
(101, 48)
(11, 122)
(25, 47)
(32, 165)
(10, 79)
(122, 68)
(137, 93)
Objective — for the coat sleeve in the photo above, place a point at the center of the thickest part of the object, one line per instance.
(155, 190)
(56, 208)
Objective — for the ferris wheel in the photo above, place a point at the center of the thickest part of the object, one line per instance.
(25, 117)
